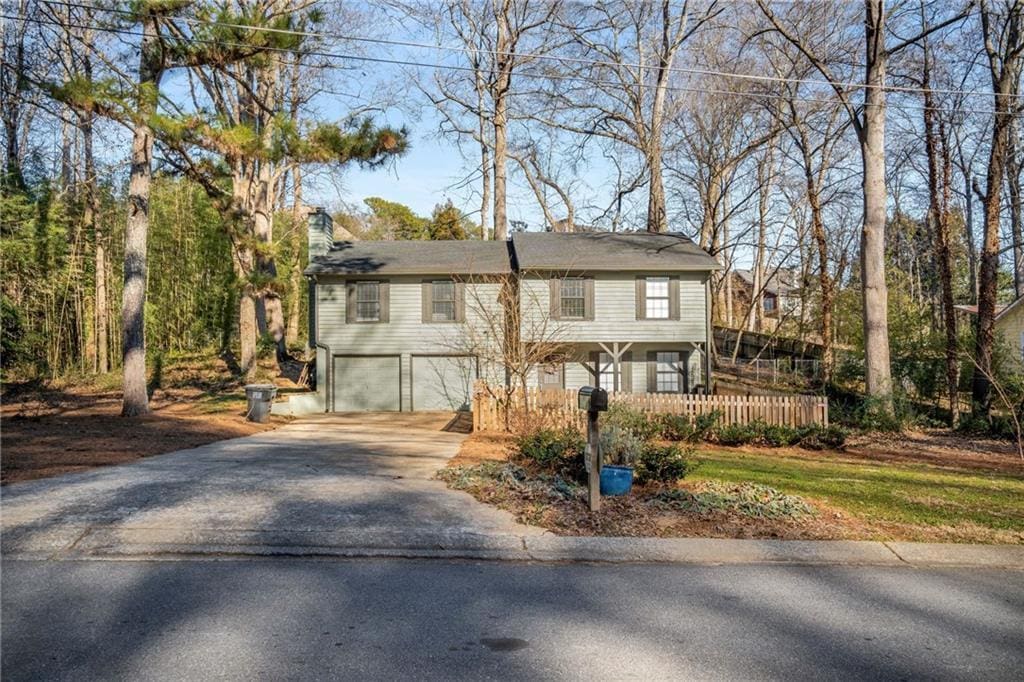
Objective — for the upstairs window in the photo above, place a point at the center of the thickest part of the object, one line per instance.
(657, 298)
(368, 302)
(769, 304)
(442, 301)
(573, 299)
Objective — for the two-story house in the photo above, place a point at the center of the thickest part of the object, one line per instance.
(408, 325)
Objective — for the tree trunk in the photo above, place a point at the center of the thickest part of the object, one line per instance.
(505, 61)
(825, 282)
(972, 251)
(295, 276)
(1004, 68)
(657, 219)
(133, 306)
(243, 262)
(875, 294)
(939, 176)
(1013, 168)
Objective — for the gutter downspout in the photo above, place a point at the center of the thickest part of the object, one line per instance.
(314, 331)
(708, 335)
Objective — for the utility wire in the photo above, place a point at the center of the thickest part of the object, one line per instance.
(520, 74)
(847, 85)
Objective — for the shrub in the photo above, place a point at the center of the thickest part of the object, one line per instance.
(676, 427)
(704, 425)
(631, 419)
(663, 464)
(817, 437)
(619, 446)
(553, 449)
(779, 435)
(736, 434)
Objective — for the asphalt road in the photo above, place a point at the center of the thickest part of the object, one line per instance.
(401, 619)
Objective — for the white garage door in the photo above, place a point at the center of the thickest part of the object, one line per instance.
(442, 382)
(366, 383)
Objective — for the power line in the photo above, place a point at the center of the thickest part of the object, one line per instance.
(520, 74)
(847, 85)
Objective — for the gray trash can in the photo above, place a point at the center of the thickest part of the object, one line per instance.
(260, 396)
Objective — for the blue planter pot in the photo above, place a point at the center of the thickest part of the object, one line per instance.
(616, 480)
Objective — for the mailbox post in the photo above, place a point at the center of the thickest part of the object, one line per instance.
(594, 400)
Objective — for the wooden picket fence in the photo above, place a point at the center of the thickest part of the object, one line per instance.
(554, 407)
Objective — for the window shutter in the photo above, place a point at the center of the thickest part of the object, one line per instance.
(427, 299)
(652, 371)
(673, 298)
(555, 289)
(460, 301)
(626, 379)
(385, 301)
(641, 298)
(588, 298)
(686, 371)
(350, 302)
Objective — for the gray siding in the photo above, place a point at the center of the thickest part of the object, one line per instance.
(406, 332)
(615, 312)
(577, 373)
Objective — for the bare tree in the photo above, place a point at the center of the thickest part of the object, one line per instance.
(868, 120)
(620, 89)
(509, 330)
(939, 191)
(1003, 35)
(494, 35)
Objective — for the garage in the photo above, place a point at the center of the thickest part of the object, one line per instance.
(367, 383)
(442, 382)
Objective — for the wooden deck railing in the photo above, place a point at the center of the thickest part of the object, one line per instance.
(558, 407)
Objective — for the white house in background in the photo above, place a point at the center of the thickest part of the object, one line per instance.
(395, 323)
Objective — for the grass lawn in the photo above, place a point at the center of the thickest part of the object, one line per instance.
(887, 495)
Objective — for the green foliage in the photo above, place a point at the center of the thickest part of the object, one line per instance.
(396, 220)
(448, 222)
(810, 436)
(817, 437)
(779, 435)
(663, 464)
(556, 450)
(12, 333)
(748, 499)
(630, 419)
(736, 434)
(676, 427)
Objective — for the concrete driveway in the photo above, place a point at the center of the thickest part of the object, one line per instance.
(327, 481)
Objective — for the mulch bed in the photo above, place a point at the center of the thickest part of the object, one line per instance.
(49, 432)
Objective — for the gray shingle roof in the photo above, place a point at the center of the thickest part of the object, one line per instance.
(577, 251)
(451, 257)
(610, 251)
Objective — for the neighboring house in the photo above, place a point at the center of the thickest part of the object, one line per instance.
(1009, 326)
(405, 325)
(780, 296)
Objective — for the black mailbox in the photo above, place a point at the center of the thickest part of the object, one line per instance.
(593, 399)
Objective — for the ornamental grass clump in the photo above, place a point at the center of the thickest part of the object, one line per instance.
(747, 499)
